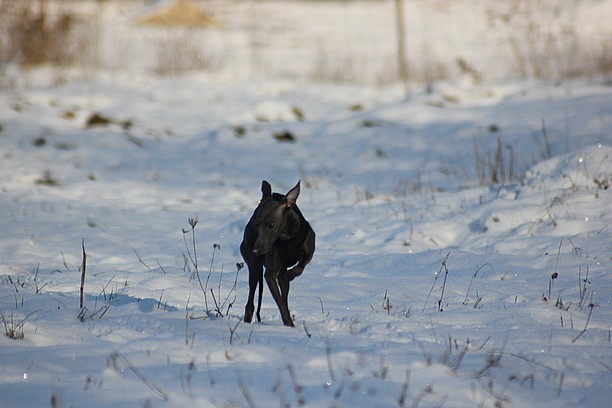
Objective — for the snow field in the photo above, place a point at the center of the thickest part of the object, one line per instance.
(391, 190)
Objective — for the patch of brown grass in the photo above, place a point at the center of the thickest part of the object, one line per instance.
(181, 13)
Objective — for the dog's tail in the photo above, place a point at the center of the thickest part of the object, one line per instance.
(260, 296)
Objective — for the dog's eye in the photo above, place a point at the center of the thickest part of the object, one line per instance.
(271, 225)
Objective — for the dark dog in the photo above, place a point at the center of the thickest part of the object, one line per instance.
(276, 237)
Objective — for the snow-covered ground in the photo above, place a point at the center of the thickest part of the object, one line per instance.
(463, 257)
(390, 186)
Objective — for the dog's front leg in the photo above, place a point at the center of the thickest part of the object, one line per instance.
(273, 269)
(255, 265)
(284, 289)
(292, 273)
(255, 274)
(307, 252)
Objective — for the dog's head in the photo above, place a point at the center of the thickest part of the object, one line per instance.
(275, 219)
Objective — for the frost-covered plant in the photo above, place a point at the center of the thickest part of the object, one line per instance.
(222, 306)
(14, 327)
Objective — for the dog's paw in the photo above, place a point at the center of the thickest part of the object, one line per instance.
(248, 314)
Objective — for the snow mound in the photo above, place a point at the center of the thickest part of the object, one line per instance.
(565, 196)
(588, 168)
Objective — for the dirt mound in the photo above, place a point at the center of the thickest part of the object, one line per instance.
(180, 13)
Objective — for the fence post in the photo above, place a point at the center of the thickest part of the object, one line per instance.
(401, 44)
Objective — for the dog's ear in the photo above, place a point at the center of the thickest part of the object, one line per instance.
(291, 197)
(266, 189)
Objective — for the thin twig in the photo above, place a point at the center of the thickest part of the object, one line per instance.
(322, 308)
(583, 288)
(440, 306)
(591, 306)
(210, 269)
(157, 390)
(239, 266)
(194, 258)
(140, 259)
(83, 268)
(429, 294)
(434, 282)
(160, 300)
(64, 261)
(245, 391)
(478, 268)
(405, 387)
(160, 266)
(187, 319)
(217, 308)
(232, 331)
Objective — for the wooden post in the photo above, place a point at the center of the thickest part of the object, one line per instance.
(42, 13)
(401, 43)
